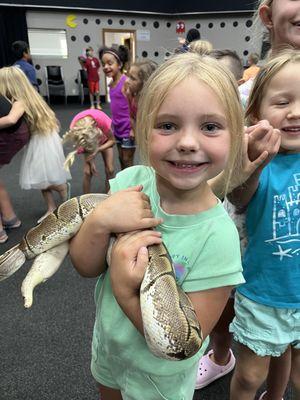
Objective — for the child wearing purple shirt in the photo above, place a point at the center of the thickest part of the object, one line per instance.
(112, 63)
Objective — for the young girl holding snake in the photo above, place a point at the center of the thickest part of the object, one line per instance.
(183, 146)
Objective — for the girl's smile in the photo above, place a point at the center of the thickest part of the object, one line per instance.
(190, 140)
(281, 106)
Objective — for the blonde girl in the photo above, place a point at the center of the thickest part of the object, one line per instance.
(281, 19)
(189, 128)
(137, 76)
(267, 307)
(90, 131)
(201, 47)
(43, 158)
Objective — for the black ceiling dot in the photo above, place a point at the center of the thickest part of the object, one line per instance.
(73, 38)
(97, 21)
(86, 38)
(37, 67)
(168, 24)
(109, 21)
(168, 54)
(76, 80)
(249, 23)
(235, 24)
(39, 82)
(85, 21)
(198, 26)
(132, 22)
(247, 38)
(222, 24)
(246, 52)
(156, 24)
(144, 54)
(156, 54)
(210, 25)
(121, 22)
(144, 23)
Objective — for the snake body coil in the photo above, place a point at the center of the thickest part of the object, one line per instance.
(171, 327)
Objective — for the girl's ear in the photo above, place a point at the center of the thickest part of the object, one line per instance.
(265, 14)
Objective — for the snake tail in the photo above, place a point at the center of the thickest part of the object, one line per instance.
(11, 261)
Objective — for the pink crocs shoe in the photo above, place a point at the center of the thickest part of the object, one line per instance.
(208, 371)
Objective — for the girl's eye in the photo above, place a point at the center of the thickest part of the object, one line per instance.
(210, 127)
(167, 127)
(282, 103)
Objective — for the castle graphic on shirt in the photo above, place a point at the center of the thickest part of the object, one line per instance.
(286, 221)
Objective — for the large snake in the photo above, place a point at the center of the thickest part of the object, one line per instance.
(171, 327)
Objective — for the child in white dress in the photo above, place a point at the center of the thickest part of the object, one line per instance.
(43, 157)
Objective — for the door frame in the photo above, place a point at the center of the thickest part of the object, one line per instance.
(133, 52)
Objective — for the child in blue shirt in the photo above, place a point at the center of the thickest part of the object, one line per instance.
(267, 306)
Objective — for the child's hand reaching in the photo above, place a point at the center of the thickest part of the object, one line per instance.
(263, 139)
(261, 144)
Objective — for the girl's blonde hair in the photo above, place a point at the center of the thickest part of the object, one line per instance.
(263, 78)
(145, 69)
(15, 85)
(85, 135)
(201, 47)
(211, 73)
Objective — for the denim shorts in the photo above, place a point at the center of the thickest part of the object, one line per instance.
(267, 331)
(125, 143)
(135, 384)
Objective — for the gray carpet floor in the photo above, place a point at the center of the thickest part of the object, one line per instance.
(45, 350)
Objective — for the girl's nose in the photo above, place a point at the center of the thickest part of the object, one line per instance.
(188, 141)
(294, 111)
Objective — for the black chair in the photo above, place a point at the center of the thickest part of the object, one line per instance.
(55, 82)
(83, 87)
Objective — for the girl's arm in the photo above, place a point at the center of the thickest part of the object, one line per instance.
(128, 264)
(129, 260)
(263, 141)
(14, 115)
(209, 305)
(124, 211)
(109, 143)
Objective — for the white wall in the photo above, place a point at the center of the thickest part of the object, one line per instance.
(222, 34)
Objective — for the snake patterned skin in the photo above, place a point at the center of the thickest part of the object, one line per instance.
(170, 323)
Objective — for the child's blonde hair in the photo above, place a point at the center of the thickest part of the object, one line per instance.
(263, 78)
(85, 135)
(145, 69)
(211, 73)
(15, 85)
(201, 47)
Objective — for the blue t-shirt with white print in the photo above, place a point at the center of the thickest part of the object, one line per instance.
(272, 258)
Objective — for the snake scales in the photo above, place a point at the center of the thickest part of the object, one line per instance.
(170, 324)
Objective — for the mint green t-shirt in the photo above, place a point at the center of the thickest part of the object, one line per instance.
(205, 251)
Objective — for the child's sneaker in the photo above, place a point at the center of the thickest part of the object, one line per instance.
(263, 395)
(208, 371)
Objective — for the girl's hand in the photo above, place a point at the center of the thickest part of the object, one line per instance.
(131, 134)
(125, 211)
(263, 138)
(129, 260)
